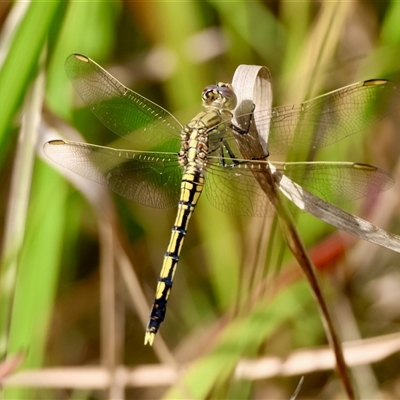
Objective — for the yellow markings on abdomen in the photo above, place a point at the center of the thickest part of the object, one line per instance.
(191, 187)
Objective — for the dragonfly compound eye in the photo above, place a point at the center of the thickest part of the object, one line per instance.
(228, 95)
(209, 93)
(220, 95)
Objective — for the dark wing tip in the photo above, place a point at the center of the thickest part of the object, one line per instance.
(373, 82)
(365, 167)
(79, 57)
(55, 142)
(76, 58)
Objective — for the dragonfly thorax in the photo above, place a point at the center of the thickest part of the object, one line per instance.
(194, 144)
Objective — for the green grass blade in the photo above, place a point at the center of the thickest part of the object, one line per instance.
(38, 269)
(241, 338)
(22, 59)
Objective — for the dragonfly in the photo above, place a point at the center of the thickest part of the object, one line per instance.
(172, 163)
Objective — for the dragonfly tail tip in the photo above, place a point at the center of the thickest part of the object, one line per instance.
(149, 338)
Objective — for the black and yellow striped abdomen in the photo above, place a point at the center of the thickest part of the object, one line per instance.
(217, 101)
(191, 187)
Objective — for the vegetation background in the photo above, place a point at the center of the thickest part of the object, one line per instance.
(79, 266)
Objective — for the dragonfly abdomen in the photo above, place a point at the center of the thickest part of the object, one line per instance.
(191, 188)
(217, 101)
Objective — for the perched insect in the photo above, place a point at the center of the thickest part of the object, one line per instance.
(204, 154)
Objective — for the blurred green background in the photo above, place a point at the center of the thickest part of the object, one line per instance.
(65, 300)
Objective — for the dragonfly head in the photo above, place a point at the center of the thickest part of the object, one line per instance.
(220, 95)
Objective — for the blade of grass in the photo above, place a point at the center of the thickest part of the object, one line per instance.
(242, 337)
(18, 205)
(251, 79)
(38, 270)
(22, 58)
(31, 246)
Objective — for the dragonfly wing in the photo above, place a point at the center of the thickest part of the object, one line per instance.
(329, 118)
(337, 182)
(234, 190)
(148, 178)
(122, 110)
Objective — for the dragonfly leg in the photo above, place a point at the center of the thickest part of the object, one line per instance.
(232, 156)
(241, 131)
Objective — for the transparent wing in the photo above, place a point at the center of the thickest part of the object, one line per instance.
(328, 118)
(120, 109)
(233, 189)
(149, 178)
(337, 182)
